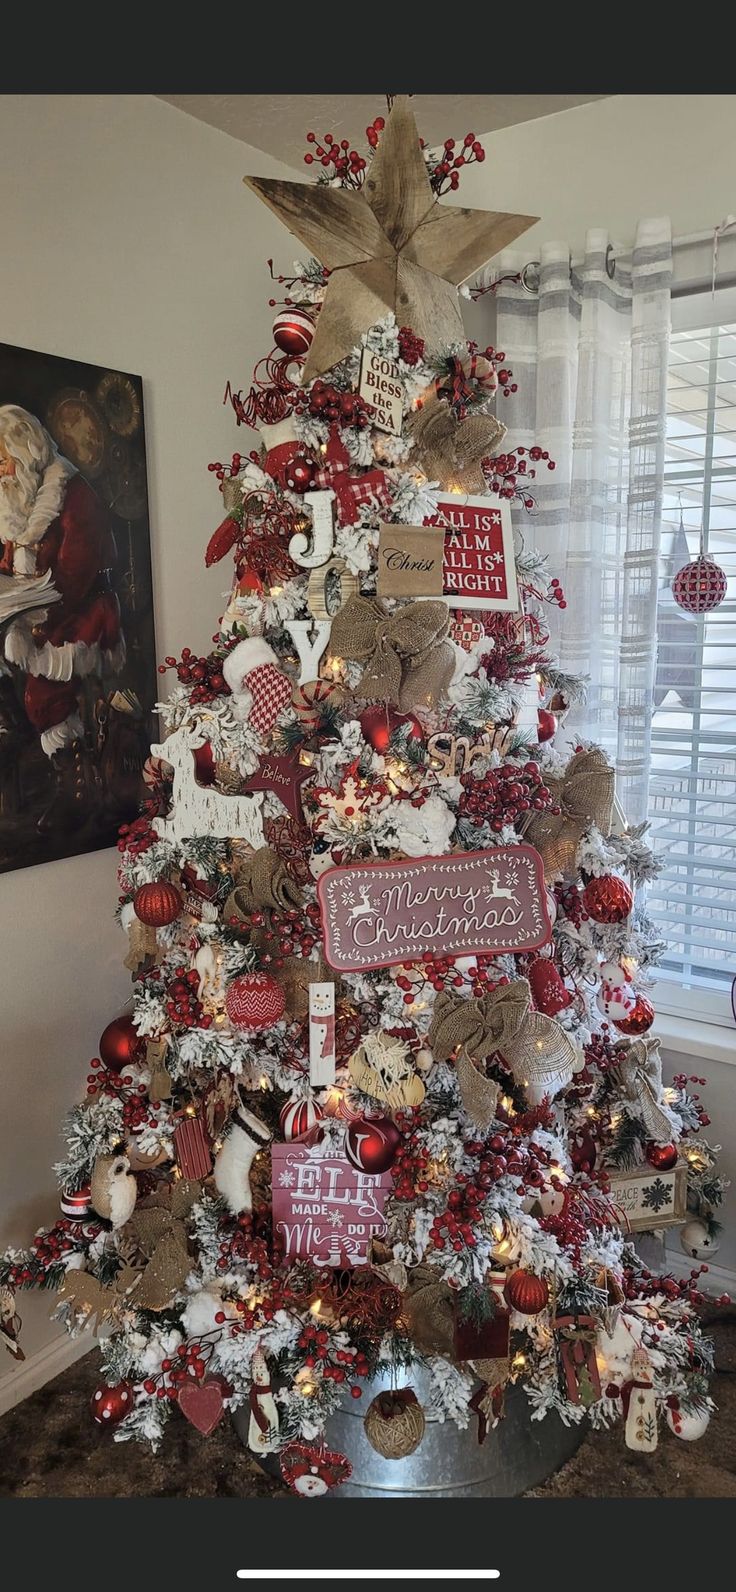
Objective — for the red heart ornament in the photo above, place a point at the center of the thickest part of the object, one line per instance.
(203, 1403)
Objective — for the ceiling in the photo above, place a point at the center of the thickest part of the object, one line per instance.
(277, 123)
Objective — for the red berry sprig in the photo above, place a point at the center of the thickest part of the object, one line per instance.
(505, 794)
(411, 347)
(330, 403)
(445, 175)
(136, 837)
(183, 1006)
(338, 158)
(204, 675)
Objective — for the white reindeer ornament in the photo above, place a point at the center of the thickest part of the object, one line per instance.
(199, 809)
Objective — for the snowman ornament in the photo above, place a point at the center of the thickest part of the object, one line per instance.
(616, 998)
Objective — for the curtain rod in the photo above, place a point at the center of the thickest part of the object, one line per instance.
(530, 272)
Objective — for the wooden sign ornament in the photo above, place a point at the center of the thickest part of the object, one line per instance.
(479, 569)
(388, 246)
(409, 561)
(378, 914)
(321, 1034)
(381, 387)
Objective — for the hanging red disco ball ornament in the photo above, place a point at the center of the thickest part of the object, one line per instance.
(293, 331)
(526, 1293)
(700, 585)
(109, 1405)
(119, 1044)
(607, 899)
(371, 1145)
(639, 1019)
(255, 1000)
(157, 903)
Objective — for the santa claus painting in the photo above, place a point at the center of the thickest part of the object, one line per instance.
(62, 647)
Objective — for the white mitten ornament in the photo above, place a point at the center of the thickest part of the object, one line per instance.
(259, 686)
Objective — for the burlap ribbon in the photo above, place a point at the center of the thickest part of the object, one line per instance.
(263, 882)
(428, 1311)
(535, 1047)
(450, 450)
(154, 1240)
(640, 1070)
(408, 660)
(585, 797)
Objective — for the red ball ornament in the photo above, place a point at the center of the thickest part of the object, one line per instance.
(109, 1405)
(371, 1145)
(299, 473)
(526, 1293)
(298, 1115)
(607, 899)
(699, 586)
(293, 331)
(548, 987)
(662, 1156)
(157, 903)
(379, 723)
(119, 1044)
(638, 1020)
(255, 1000)
(546, 725)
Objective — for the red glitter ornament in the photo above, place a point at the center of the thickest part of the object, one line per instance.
(109, 1405)
(700, 585)
(662, 1156)
(293, 331)
(157, 903)
(638, 1020)
(119, 1044)
(371, 1145)
(526, 1293)
(607, 899)
(379, 723)
(255, 1000)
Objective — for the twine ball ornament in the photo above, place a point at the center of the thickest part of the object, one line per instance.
(255, 1001)
(607, 899)
(394, 1423)
(298, 1115)
(640, 1018)
(293, 331)
(526, 1293)
(700, 585)
(157, 903)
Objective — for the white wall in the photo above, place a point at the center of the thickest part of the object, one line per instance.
(611, 162)
(126, 238)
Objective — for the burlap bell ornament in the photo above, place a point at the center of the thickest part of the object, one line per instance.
(449, 450)
(263, 882)
(394, 1423)
(535, 1047)
(585, 797)
(408, 659)
(640, 1070)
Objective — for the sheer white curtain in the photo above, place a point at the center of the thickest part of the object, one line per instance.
(588, 352)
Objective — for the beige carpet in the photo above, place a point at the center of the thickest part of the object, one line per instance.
(49, 1448)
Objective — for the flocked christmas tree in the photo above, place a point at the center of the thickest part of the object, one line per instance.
(387, 1095)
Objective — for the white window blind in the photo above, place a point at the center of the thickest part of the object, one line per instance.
(692, 792)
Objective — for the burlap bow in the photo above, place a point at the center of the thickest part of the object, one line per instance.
(428, 1311)
(585, 797)
(535, 1047)
(263, 882)
(408, 660)
(450, 450)
(640, 1070)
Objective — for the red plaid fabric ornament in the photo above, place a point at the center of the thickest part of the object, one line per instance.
(466, 632)
(351, 491)
(700, 585)
(271, 693)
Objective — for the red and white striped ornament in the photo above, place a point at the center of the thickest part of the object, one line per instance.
(298, 1115)
(293, 331)
(192, 1146)
(76, 1205)
(255, 1000)
(700, 585)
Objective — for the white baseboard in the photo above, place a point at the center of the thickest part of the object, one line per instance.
(29, 1375)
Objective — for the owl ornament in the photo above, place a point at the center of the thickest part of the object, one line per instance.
(113, 1189)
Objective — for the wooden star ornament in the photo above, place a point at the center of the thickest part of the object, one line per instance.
(389, 246)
